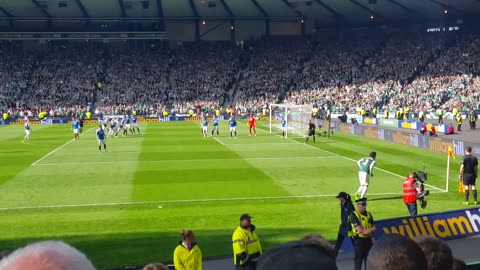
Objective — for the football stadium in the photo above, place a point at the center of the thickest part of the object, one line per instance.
(228, 134)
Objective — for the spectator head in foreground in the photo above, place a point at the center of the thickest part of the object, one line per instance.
(155, 266)
(394, 251)
(438, 253)
(319, 240)
(47, 255)
(311, 253)
(459, 264)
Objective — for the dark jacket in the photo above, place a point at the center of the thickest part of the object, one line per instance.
(346, 209)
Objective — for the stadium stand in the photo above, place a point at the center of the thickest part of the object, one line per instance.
(396, 69)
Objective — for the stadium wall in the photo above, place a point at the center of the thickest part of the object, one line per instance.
(438, 144)
(248, 30)
(181, 31)
(63, 120)
(215, 31)
(244, 30)
(285, 29)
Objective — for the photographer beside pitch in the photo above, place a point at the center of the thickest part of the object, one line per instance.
(411, 190)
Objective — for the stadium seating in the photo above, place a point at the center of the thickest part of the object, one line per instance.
(423, 71)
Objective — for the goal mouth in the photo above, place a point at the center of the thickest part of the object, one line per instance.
(296, 119)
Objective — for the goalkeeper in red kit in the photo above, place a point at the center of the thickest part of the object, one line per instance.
(252, 121)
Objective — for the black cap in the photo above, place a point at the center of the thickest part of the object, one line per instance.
(342, 195)
(361, 201)
(245, 216)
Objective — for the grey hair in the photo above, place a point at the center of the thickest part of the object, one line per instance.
(47, 255)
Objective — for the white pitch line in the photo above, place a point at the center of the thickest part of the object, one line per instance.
(216, 139)
(173, 160)
(56, 149)
(181, 201)
(347, 158)
(256, 144)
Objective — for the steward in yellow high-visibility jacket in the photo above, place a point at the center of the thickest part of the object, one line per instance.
(246, 245)
(459, 122)
(455, 112)
(187, 255)
(363, 227)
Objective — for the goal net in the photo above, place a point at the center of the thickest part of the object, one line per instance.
(295, 116)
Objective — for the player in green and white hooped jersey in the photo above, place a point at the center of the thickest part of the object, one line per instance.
(205, 127)
(365, 165)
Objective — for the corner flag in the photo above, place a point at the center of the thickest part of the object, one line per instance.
(450, 152)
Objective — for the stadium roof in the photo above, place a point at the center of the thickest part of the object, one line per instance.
(323, 11)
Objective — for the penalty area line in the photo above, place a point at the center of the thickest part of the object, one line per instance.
(180, 201)
(56, 149)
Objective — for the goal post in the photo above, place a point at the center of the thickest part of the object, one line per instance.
(295, 116)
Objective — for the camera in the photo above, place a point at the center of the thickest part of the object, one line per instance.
(422, 177)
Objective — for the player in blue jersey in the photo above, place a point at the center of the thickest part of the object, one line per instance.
(284, 126)
(75, 127)
(135, 125)
(215, 125)
(101, 139)
(233, 127)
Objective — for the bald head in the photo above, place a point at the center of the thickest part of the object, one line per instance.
(47, 255)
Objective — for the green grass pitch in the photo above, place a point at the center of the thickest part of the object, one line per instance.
(126, 206)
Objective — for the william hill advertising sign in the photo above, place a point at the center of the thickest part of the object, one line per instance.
(445, 225)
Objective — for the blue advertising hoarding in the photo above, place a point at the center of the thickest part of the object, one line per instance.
(444, 225)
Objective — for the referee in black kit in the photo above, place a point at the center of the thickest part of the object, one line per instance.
(469, 172)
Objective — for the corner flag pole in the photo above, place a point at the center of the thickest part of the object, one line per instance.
(448, 172)
(449, 154)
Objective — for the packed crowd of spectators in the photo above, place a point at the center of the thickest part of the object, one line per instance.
(64, 79)
(62, 83)
(176, 81)
(454, 75)
(271, 70)
(15, 71)
(422, 71)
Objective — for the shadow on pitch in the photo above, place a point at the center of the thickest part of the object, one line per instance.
(385, 198)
